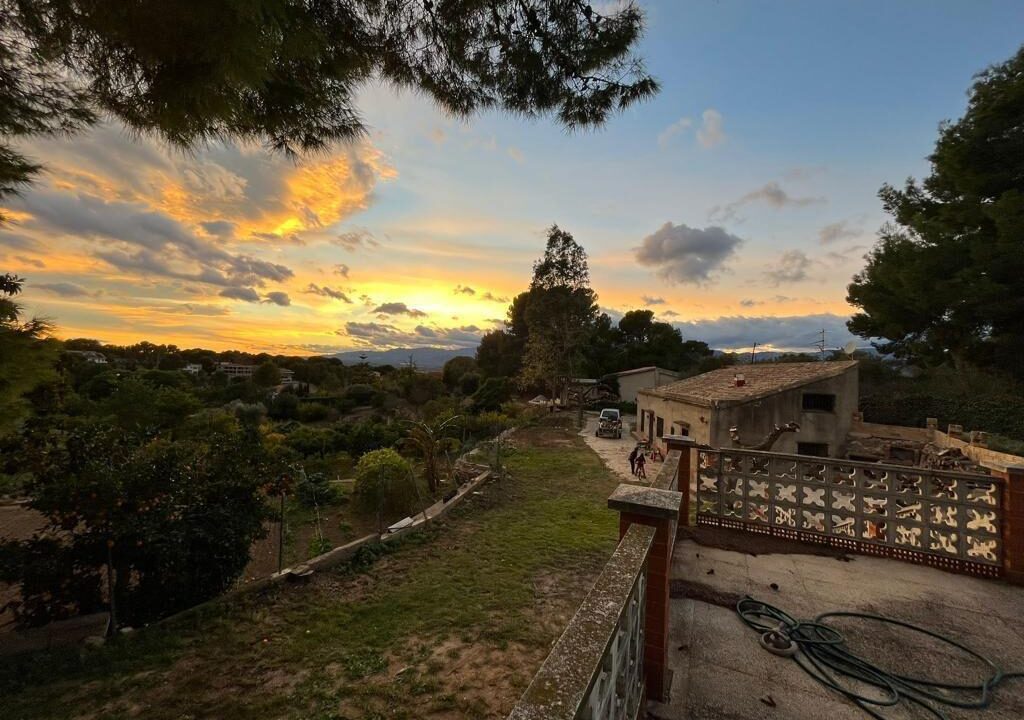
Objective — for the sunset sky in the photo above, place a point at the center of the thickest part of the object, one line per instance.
(737, 204)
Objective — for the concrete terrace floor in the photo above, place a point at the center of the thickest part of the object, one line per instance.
(720, 672)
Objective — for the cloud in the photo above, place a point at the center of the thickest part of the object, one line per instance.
(341, 269)
(648, 300)
(278, 298)
(669, 313)
(241, 293)
(463, 290)
(770, 193)
(64, 289)
(386, 335)
(438, 135)
(679, 126)
(324, 291)
(210, 310)
(30, 261)
(493, 298)
(17, 241)
(747, 302)
(837, 231)
(398, 308)
(711, 133)
(357, 239)
(681, 254)
(516, 154)
(792, 267)
(220, 228)
(138, 239)
(794, 333)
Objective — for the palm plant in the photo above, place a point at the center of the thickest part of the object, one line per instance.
(431, 443)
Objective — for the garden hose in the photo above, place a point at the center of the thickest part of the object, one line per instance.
(821, 651)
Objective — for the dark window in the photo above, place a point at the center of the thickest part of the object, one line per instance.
(819, 402)
(661, 427)
(809, 448)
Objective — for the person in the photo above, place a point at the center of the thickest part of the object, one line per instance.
(641, 461)
(632, 460)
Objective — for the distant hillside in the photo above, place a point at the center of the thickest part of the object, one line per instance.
(426, 358)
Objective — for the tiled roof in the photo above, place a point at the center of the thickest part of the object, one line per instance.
(646, 369)
(762, 379)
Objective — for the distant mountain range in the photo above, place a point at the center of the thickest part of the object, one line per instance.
(434, 358)
(425, 358)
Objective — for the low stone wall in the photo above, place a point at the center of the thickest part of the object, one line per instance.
(976, 451)
(991, 459)
(859, 428)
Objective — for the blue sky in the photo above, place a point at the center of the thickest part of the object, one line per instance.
(743, 196)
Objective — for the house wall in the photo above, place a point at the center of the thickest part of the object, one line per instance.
(673, 413)
(630, 384)
(755, 419)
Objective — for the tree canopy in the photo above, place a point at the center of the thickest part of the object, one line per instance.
(943, 284)
(285, 73)
(27, 357)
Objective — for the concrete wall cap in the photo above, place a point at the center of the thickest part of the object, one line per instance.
(644, 500)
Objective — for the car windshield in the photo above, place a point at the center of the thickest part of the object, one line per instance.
(609, 414)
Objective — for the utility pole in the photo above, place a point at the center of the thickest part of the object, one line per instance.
(821, 345)
(753, 353)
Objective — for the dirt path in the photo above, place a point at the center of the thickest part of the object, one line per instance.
(613, 451)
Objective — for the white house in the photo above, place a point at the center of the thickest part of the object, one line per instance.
(645, 378)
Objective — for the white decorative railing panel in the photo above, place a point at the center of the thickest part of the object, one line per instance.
(946, 519)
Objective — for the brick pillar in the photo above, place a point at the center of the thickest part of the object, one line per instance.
(686, 446)
(1013, 524)
(659, 509)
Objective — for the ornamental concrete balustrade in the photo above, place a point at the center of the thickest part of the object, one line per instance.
(613, 655)
(963, 522)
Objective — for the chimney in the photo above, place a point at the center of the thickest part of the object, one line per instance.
(739, 380)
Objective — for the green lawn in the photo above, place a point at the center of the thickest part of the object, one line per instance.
(450, 623)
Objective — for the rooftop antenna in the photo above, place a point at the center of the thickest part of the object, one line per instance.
(821, 345)
(850, 347)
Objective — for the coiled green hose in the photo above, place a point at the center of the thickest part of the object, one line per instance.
(823, 654)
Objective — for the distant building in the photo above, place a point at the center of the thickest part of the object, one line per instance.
(193, 368)
(753, 399)
(645, 378)
(89, 356)
(236, 369)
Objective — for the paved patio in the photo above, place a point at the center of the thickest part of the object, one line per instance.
(720, 672)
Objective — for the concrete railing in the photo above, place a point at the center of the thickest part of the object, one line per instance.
(596, 669)
(950, 520)
(613, 655)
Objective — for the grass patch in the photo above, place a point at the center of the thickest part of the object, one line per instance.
(450, 623)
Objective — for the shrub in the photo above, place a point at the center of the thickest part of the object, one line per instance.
(492, 393)
(315, 489)
(360, 394)
(313, 412)
(384, 483)
(469, 383)
(456, 368)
